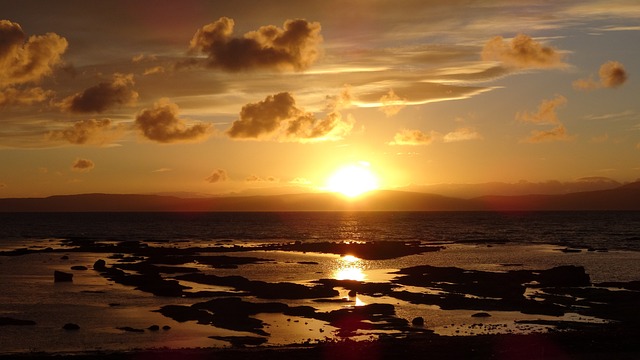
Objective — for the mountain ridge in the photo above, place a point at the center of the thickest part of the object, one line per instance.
(625, 197)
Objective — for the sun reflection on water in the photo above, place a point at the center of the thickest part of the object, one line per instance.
(349, 268)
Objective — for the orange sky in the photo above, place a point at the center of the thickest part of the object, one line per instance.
(249, 96)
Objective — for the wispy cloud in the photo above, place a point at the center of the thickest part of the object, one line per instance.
(89, 132)
(522, 52)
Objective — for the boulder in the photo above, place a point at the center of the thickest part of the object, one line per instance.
(418, 321)
(100, 265)
(78, 267)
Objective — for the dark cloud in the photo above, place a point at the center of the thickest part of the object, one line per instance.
(15, 97)
(22, 62)
(161, 124)
(82, 165)
(218, 175)
(612, 75)
(522, 52)
(92, 131)
(293, 47)
(277, 117)
(103, 96)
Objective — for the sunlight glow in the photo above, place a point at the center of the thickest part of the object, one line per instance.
(350, 268)
(352, 180)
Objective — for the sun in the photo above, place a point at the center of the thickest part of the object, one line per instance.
(352, 180)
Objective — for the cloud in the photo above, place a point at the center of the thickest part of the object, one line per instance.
(413, 137)
(103, 96)
(558, 133)
(278, 118)
(154, 70)
(82, 165)
(522, 52)
(23, 62)
(300, 181)
(295, 46)
(161, 124)
(92, 131)
(462, 134)
(612, 75)
(546, 113)
(218, 175)
(391, 103)
(15, 97)
(255, 178)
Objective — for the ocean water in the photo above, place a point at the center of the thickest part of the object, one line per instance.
(611, 230)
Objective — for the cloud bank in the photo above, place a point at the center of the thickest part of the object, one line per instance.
(295, 46)
(162, 124)
(278, 118)
(101, 97)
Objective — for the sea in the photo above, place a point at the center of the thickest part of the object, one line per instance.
(606, 244)
(609, 229)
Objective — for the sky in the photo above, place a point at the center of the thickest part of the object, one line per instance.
(247, 97)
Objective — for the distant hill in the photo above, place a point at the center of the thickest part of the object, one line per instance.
(625, 197)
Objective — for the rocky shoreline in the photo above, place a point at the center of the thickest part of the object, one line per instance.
(171, 273)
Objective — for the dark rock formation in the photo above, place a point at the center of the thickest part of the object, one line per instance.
(79, 267)
(12, 321)
(71, 326)
(100, 265)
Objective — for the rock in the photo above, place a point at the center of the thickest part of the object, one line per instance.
(481, 315)
(418, 321)
(59, 276)
(353, 293)
(12, 321)
(166, 327)
(79, 267)
(64, 257)
(130, 329)
(567, 275)
(100, 265)
(153, 328)
(71, 326)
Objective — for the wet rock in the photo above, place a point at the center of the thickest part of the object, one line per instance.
(166, 327)
(568, 276)
(241, 341)
(79, 267)
(100, 265)
(71, 326)
(417, 321)
(64, 257)
(12, 321)
(353, 293)
(153, 328)
(481, 315)
(59, 276)
(130, 329)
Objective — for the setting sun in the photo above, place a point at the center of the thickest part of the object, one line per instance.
(352, 180)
